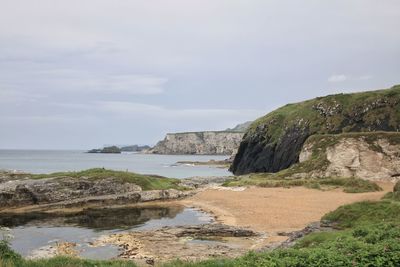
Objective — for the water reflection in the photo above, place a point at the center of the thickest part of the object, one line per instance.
(38, 230)
(93, 218)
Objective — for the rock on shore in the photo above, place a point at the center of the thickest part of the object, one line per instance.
(69, 192)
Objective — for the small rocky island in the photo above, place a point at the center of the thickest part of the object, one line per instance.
(118, 150)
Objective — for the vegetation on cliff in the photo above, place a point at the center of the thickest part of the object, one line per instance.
(273, 142)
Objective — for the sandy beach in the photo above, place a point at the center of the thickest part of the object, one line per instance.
(273, 210)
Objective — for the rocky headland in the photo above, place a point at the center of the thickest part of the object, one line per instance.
(199, 143)
(119, 149)
(274, 142)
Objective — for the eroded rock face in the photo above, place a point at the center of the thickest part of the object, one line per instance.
(199, 143)
(259, 153)
(273, 142)
(71, 192)
(53, 190)
(358, 157)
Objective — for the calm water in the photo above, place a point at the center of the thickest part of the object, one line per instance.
(37, 231)
(43, 161)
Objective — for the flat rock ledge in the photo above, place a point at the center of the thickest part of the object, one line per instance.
(69, 192)
(191, 243)
(18, 191)
(203, 182)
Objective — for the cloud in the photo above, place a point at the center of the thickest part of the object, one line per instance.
(365, 77)
(133, 84)
(131, 111)
(342, 78)
(11, 96)
(128, 109)
(337, 78)
(78, 81)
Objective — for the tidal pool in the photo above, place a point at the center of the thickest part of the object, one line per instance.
(36, 232)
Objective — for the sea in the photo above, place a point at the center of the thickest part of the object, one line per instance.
(49, 161)
(31, 234)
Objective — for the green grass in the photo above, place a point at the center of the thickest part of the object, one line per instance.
(365, 213)
(146, 182)
(349, 185)
(395, 196)
(350, 105)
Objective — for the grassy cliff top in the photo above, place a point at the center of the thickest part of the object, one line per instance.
(328, 114)
(146, 182)
(202, 132)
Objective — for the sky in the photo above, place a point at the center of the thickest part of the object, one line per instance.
(78, 74)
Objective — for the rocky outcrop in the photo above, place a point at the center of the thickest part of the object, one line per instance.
(274, 142)
(106, 150)
(71, 192)
(199, 143)
(191, 243)
(368, 156)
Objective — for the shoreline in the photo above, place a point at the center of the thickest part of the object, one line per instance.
(271, 214)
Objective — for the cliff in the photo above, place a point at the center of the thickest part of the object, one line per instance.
(274, 142)
(134, 148)
(201, 143)
(368, 156)
(242, 127)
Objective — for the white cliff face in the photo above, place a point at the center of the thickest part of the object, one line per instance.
(199, 143)
(355, 157)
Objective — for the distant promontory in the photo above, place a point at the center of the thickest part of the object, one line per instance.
(119, 149)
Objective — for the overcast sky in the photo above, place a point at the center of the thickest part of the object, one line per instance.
(83, 73)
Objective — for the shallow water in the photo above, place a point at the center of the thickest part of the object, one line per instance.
(48, 161)
(37, 230)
